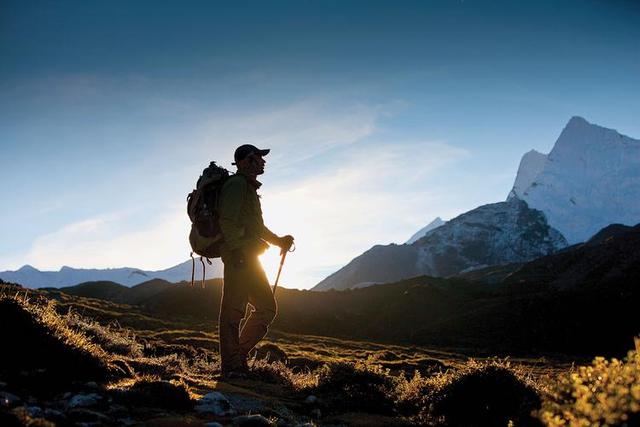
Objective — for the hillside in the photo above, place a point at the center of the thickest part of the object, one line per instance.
(116, 292)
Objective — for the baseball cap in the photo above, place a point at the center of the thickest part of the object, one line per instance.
(246, 150)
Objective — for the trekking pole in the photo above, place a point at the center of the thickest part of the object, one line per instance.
(284, 255)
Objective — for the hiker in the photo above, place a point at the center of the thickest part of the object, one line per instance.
(245, 238)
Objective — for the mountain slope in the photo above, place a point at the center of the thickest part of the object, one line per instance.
(589, 179)
(498, 233)
(609, 260)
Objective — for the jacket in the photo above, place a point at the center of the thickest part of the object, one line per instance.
(241, 218)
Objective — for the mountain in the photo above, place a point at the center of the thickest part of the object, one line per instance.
(590, 178)
(424, 230)
(498, 233)
(67, 276)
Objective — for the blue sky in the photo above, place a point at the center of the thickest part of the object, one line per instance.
(381, 116)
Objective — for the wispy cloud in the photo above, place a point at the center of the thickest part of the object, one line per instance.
(377, 194)
(330, 182)
(109, 241)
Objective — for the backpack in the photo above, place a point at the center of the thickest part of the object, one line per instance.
(205, 236)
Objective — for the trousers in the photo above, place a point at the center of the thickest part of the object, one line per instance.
(246, 284)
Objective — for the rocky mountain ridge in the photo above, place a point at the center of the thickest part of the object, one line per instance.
(498, 233)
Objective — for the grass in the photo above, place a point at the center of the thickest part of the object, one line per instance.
(167, 364)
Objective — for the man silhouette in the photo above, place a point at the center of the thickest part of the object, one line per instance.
(245, 238)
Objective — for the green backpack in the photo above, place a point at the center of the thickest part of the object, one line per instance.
(205, 236)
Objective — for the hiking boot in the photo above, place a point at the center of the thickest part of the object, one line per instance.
(238, 371)
(234, 375)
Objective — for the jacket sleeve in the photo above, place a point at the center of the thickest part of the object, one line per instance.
(268, 235)
(232, 198)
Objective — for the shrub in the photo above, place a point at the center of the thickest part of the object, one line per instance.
(482, 394)
(605, 393)
(361, 386)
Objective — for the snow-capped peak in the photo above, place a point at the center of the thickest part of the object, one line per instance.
(426, 229)
(531, 165)
(589, 179)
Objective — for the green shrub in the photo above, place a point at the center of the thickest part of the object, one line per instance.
(605, 393)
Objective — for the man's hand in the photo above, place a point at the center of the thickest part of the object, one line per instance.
(285, 243)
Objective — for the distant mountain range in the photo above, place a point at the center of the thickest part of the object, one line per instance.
(591, 178)
(68, 276)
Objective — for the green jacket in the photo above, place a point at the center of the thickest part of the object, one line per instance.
(241, 218)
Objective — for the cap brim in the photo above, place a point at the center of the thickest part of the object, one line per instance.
(264, 152)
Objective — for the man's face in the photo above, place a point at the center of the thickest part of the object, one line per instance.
(254, 164)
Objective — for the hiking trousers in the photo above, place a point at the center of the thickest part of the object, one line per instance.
(245, 284)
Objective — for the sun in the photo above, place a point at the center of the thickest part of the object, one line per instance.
(270, 261)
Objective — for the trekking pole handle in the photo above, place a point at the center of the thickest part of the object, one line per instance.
(292, 248)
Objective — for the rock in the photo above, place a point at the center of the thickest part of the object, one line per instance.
(89, 417)
(316, 413)
(118, 411)
(84, 400)
(54, 415)
(307, 424)
(91, 384)
(214, 403)
(311, 400)
(35, 411)
(245, 404)
(3, 384)
(213, 424)
(8, 400)
(255, 420)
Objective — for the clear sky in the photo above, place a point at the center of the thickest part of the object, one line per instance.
(380, 116)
